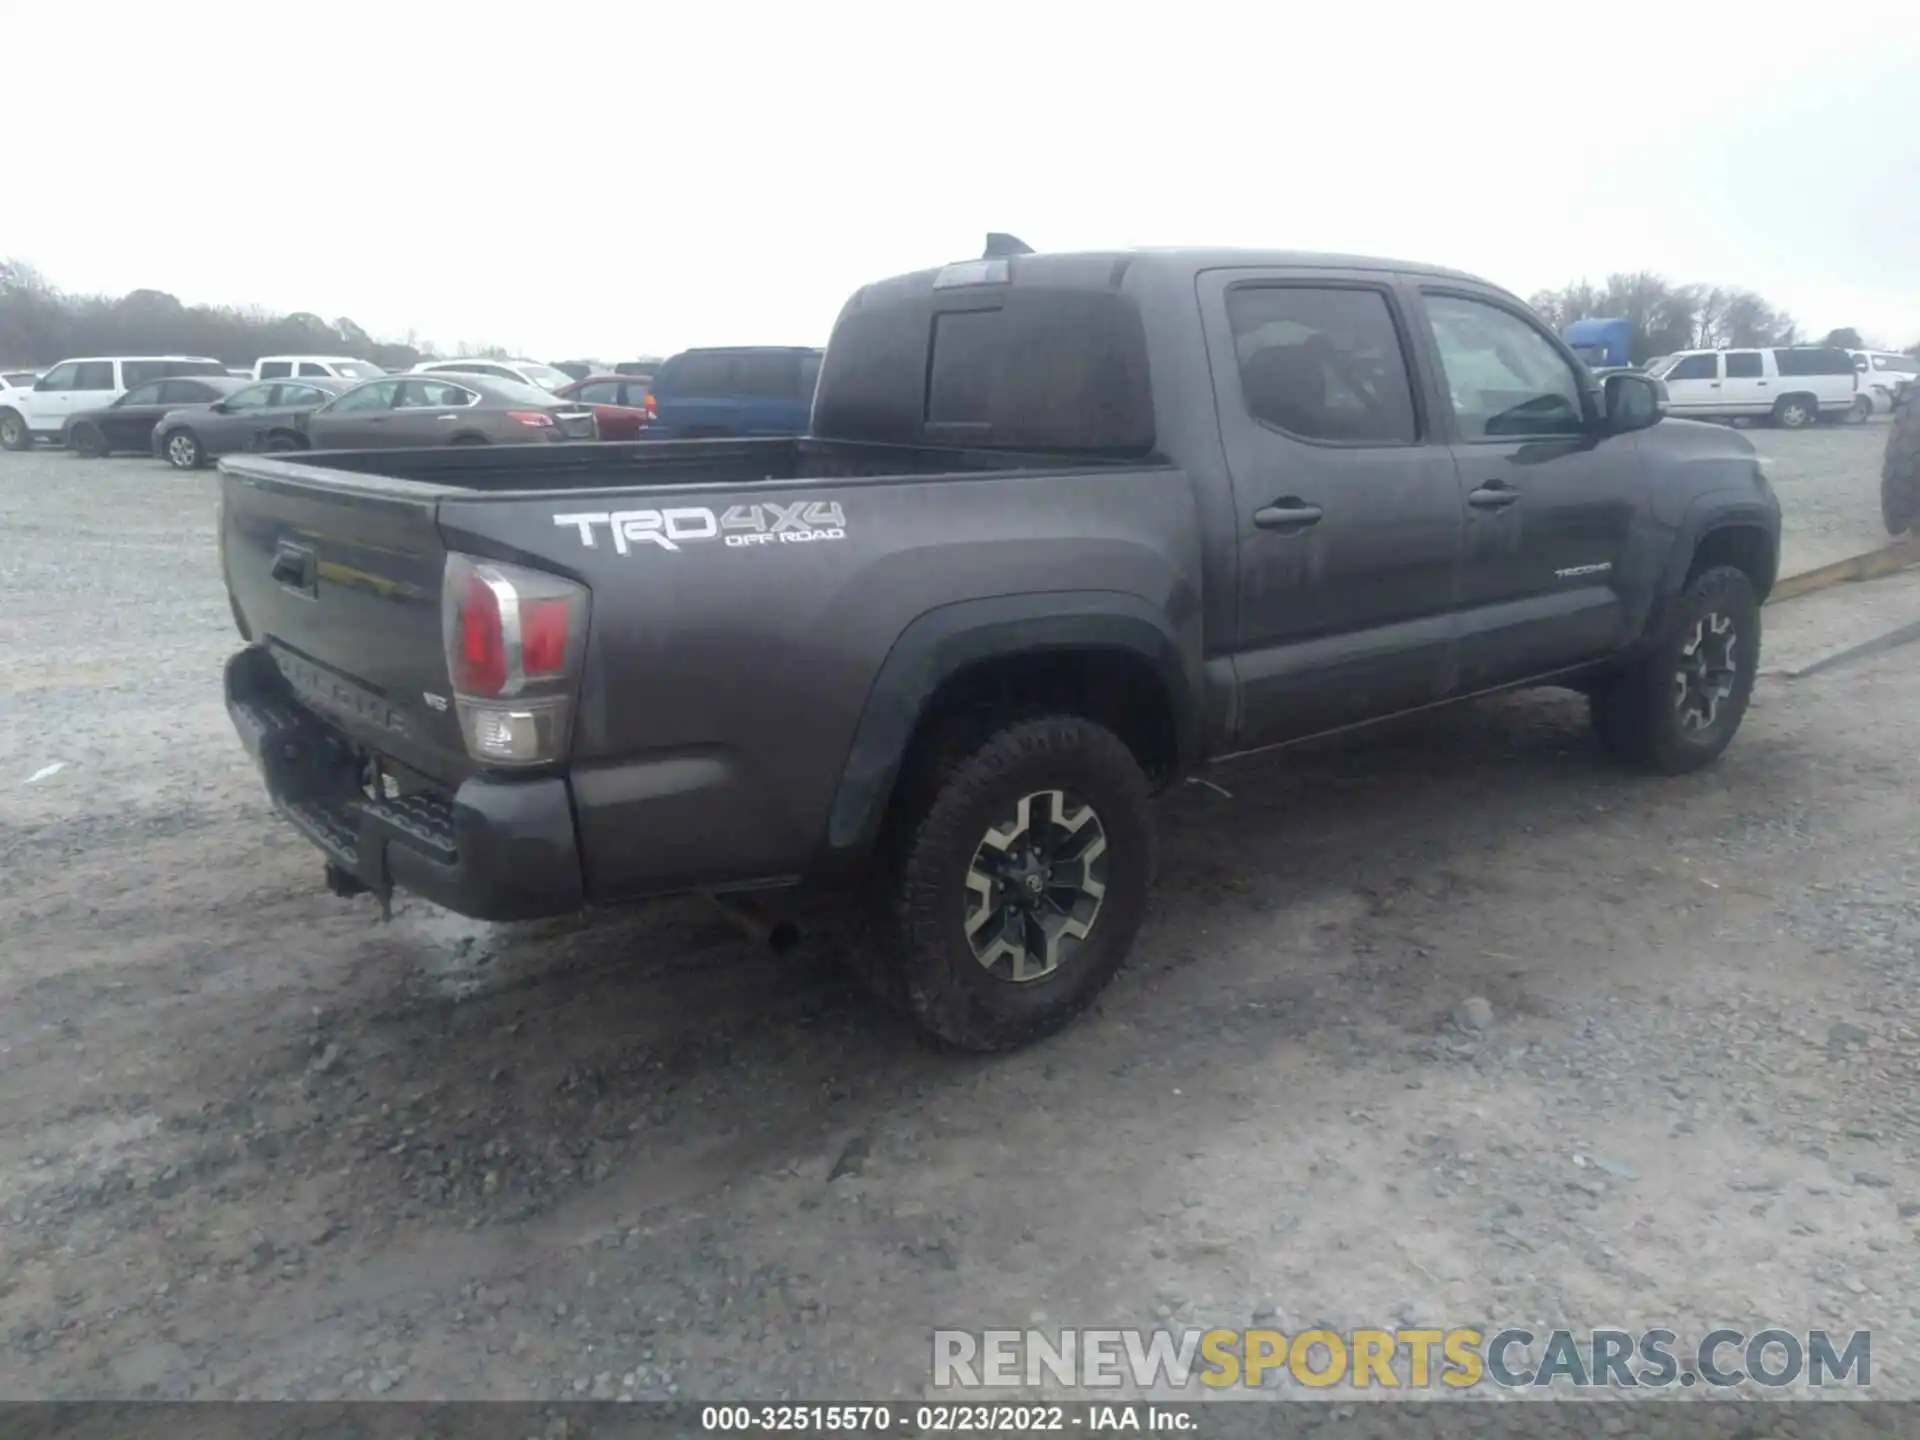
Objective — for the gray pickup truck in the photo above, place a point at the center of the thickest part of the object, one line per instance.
(1066, 528)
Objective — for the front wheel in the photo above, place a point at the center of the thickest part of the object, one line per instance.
(183, 450)
(1676, 709)
(14, 434)
(1020, 890)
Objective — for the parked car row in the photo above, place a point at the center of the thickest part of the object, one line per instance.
(190, 408)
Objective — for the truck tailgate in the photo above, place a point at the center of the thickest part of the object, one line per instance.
(342, 585)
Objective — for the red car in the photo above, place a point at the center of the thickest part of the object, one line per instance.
(621, 403)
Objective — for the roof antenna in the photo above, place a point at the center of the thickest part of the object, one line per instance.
(999, 245)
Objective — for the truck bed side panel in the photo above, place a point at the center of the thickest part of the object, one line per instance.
(734, 644)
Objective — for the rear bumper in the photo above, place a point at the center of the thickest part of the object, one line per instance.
(492, 849)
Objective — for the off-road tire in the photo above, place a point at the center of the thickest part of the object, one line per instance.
(14, 434)
(1900, 470)
(1638, 712)
(88, 441)
(1796, 412)
(935, 976)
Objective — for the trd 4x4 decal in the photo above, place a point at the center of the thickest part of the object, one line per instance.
(738, 526)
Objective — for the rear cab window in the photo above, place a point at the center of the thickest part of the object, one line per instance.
(1048, 369)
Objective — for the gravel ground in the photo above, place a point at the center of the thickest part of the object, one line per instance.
(1828, 480)
(254, 1143)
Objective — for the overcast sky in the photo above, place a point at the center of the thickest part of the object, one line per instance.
(600, 180)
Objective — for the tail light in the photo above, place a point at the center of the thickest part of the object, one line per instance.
(538, 419)
(653, 410)
(515, 639)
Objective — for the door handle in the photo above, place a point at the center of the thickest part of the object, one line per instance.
(294, 567)
(446, 417)
(1288, 515)
(1494, 495)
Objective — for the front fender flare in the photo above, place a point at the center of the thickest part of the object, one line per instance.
(943, 642)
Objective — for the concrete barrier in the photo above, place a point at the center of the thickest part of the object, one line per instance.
(1887, 560)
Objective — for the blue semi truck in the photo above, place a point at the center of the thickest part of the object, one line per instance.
(1602, 344)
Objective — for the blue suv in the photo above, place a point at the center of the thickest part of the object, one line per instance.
(757, 390)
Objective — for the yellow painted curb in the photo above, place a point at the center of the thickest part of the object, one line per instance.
(1887, 560)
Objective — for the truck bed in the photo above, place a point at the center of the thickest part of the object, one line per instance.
(744, 597)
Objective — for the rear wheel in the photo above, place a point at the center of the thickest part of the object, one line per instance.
(1021, 884)
(14, 434)
(280, 442)
(1795, 412)
(469, 440)
(1861, 410)
(88, 440)
(183, 450)
(1676, 709)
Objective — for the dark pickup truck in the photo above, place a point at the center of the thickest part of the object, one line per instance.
(1066, 528)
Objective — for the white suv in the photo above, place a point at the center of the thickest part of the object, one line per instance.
(1882, 372)
(295, 367)
(1794, 385)
(42, 412)
(527, 372)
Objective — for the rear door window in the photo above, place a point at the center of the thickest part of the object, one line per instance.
(275, 369)
(1743, 365)
(606, 392)
(184, 392)
(1322, 364)
(307, 367)
(145, 395)
(98, 375)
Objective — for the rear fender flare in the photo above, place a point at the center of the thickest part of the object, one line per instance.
(943, 642)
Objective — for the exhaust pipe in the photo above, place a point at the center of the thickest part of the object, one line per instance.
(779, 936)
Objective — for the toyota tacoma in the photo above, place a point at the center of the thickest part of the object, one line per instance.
(1064, 529)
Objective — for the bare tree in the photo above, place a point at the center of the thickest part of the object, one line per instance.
(40, 325)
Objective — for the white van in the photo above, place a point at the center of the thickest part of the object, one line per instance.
(292, 367)
(1882, 372)
(1795, 385)
(42, 412)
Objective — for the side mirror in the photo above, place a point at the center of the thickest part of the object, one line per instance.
(41, 383)
(1632, 401)
(219, 407)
